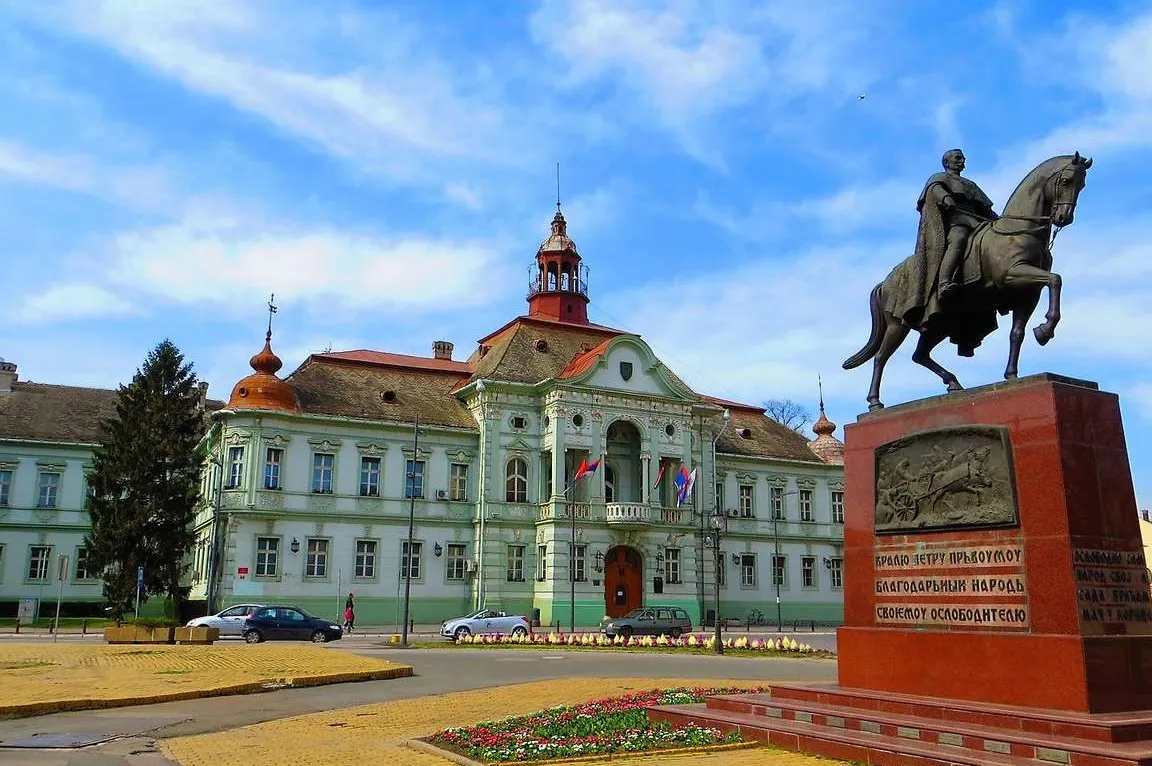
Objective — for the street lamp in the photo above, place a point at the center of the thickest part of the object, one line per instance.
(215, 565)
(700, 568)
(716, 522)
(407, 563)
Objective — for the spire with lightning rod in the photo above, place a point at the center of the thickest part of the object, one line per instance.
(271, 311)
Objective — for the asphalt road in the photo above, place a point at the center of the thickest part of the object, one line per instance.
(437, 671)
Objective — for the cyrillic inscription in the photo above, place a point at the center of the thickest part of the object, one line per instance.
(954, 615)
(1112, 587)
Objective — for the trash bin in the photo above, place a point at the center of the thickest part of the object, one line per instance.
(710, 618)
(535, 617)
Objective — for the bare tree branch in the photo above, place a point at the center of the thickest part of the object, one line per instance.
(788, 413)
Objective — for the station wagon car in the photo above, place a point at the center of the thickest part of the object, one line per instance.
(650, 621)
(485, 621)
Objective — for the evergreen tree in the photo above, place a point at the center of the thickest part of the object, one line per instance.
(145, 483)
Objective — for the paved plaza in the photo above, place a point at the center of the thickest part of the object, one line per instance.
(367, 722)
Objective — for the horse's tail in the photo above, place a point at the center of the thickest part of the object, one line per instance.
(873, 344)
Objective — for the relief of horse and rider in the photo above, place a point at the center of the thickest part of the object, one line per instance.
(970, 264)
(952, 478)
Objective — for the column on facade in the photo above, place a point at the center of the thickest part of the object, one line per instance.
(645, 480)
(558, 458)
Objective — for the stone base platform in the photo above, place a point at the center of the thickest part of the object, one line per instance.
(891, 729)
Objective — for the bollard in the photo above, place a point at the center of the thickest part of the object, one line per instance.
(84, 628)
(412, 626)
(17, 625)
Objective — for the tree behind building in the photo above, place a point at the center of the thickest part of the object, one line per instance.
(145, 485)
(788, 413)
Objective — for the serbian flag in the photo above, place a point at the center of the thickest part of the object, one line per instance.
(681, 481)
(660, 475)
(586, 469)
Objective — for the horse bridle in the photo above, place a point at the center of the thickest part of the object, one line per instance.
(1046, 220)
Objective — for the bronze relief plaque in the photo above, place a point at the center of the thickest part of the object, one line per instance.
(946, 479)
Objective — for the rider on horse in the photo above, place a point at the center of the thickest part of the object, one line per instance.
(963, 206)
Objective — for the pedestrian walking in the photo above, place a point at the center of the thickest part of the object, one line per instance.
(349, 614)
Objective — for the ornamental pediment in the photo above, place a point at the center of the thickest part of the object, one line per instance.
(325, 445)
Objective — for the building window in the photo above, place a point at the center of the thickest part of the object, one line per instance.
(5, 487)
(722, 572)
(322, 468)
(49, 490)
(316, 564)
(746, 500)
(267, 556)
(720, 495)
(609, 484)
(779, 569)
(272, 460)
(517, 484)
(365, 559)
(515, 563)
(808, 571)
(414, 478)
(1, 562)
(81, 572)
(369, 477)
(776, 497)
(235, 467)
(456, 561)
(458, 482)
(837, 573)
(38, 558)
(747, 570)
(541, 562)
(410, 560)
(672, 566)
(837, 506)
(579, 562)
(805, 505)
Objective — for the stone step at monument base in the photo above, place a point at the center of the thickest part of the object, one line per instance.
(900, 730)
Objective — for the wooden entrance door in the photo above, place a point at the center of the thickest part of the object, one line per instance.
(623, 581)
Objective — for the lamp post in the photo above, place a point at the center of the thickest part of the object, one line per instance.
(407, 562)
(715, 500)
(717, 523)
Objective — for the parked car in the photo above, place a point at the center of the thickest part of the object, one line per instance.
(650, 621)
(289, 623)
(485, 621)
(230, 622)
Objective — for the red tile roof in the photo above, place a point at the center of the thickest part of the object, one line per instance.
(383, 358)
(581, 363)
(731, 404)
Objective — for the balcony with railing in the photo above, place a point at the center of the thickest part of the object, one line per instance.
(562, 511)
(627, 514)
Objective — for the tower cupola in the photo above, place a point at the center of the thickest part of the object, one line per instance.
(558, 287)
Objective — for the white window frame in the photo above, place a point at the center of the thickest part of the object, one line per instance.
(414, 479)
(323, 473)
(5, 487)
(808, 572)
(267, 558)
(837, 502)
(411, 562)
(48, 489)
(779, 570)
(458, 482)
(836, 573)
(609, 484)
(719, 490)
(722, 573)
(456, 567)
(747, 496)
(43, 563)
(776, 500)
(516, 481)
(805, 499)
(273, 462)
(316, 552)
(364, 561)
(542, 562)
(235, 468)
(80, 570)
(514, 559)
(580, 562)
(748, 574)
(371, 474)
(672, 566)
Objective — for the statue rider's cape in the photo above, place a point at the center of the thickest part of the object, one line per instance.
(913, 296)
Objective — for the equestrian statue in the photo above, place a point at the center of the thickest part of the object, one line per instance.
(970, 264)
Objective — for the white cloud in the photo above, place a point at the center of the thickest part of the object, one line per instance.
(72, 301)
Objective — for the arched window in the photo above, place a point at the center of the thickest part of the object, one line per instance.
(609, 484)
(517, 485)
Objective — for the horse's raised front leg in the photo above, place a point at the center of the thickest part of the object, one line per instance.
(1023, 275)
(894, 335)
(923, 356)
(1020, 314)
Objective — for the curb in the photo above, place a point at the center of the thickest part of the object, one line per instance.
(255, 687)
(463, 760)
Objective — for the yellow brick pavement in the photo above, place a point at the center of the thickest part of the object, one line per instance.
(374, 734)
(38, 677)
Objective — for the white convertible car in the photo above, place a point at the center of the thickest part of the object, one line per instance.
(485, 621)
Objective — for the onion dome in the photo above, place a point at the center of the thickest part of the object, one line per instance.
(262, 390)
(826, 446)
(558, 241)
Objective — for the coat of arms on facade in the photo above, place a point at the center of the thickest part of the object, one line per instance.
(946, 479)
(626, 370)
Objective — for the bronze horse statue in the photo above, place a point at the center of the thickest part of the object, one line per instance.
(1007, 264)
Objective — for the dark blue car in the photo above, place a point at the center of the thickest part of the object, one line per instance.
(289, 623)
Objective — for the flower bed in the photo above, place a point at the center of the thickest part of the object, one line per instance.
(613, 725)
(692, 641)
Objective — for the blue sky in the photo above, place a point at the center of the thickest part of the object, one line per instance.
(388, 170)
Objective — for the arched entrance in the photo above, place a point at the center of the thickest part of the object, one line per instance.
(623, 581)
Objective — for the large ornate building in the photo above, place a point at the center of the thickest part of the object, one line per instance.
(315, 479)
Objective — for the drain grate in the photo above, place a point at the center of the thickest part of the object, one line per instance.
(58, 741)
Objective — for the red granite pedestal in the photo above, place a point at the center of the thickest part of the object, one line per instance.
(1021, 639)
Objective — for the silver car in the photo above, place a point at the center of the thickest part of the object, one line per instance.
(485, 621)
(229, 621)
(670, 621)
